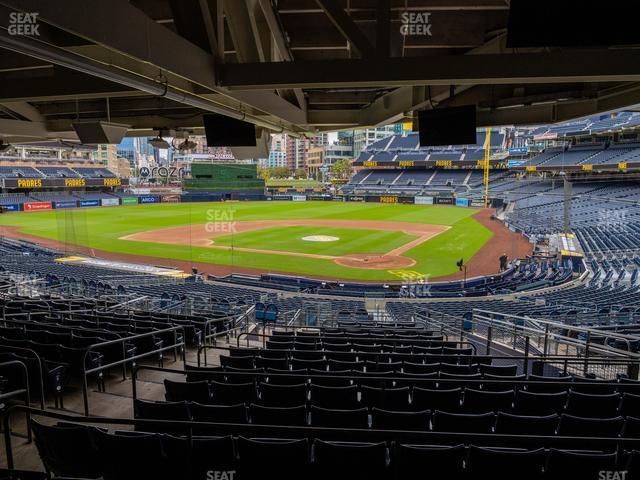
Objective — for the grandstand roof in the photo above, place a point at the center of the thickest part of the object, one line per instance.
(292, 65)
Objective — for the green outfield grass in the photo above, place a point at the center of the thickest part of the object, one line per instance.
(101, 228)
(290, 239)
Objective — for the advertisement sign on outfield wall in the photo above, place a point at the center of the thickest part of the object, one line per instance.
(129, 200)
(89, 203)
(462, 202)
(355, 198)
(477, 202)
(149, 199)
(110, 202)
(444, 201)
(299, 198)
(12, 207)
(423, 200)
(320, 198)
(67, 204)
(33, 206)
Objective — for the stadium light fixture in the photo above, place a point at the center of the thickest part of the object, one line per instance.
(187, 145)
(159, 142)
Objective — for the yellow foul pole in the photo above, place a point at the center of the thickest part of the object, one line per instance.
(487, 157)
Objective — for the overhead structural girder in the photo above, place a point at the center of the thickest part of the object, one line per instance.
(553, 67)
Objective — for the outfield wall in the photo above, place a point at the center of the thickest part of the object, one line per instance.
(389, 199)
(244, 196)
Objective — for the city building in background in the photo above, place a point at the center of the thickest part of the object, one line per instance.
(138, 151)
(277, 153)
(107, 155)
(297, 149)
(315, 162)
(365, 137)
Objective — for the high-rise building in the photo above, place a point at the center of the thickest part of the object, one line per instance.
(365, 137)
(345, 137)
(315, 161)
(277, 153)
(136, 148)
(337, 152)
(108, 156)
(297, 149)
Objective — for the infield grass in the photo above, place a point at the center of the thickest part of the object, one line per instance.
(102, 228)
(290, 239)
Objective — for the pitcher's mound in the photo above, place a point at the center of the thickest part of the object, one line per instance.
(376, 262)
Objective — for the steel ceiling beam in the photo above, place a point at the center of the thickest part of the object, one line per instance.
(347, 27)
(553, 67)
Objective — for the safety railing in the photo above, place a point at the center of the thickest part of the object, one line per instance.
(34, 354)
(550, 367)
(553, 336)
(447, 325)
(24, 392)
(264, 337)
(129, 359)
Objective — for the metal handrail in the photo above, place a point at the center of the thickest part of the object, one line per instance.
(213, 347)
(120, 305)
(23, 391)
(414, 377)
(40, 377)
(561, 326)
(125, 359)
(414, 341)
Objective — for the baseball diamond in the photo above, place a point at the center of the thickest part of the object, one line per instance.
(373, 240)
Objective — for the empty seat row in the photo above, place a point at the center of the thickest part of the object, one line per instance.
(88, 452)
(404, 398)
(382, 419)
(434, 347)
(398, 363)
(382, 374)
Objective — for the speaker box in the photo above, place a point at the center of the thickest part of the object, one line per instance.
(447, 126)
(223, 131)
(94, 132)
(572, 23)
(260, 150)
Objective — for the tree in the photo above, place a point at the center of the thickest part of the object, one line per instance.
(280, 172)
(264, 173)
(341, 168)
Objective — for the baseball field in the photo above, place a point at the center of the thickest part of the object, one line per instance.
(350, 241)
